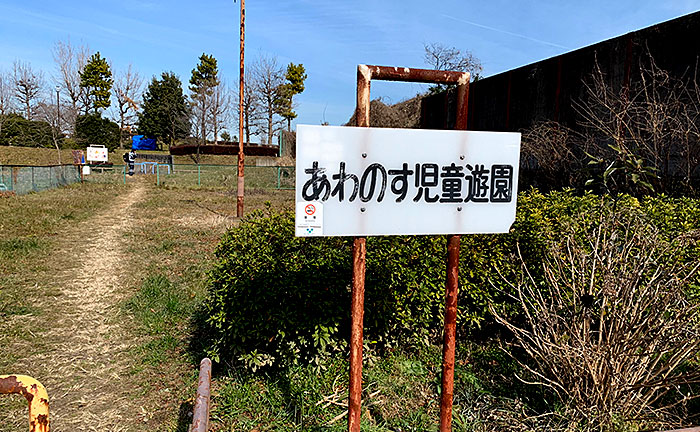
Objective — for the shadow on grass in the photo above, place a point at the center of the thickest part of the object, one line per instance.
(184, 417)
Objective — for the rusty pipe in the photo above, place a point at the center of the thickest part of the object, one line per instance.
(240, 192)
(200, 414)
(357, 306)
(357, 309)
(392, 73)
(448, 343)
(36, 396)
(451, 292)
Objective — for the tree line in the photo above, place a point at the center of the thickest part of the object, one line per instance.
(85, 101)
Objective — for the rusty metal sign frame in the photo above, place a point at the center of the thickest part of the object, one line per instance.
(365, 74)
(36, 395)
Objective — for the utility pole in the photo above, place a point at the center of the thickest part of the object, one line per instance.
(57, 132)
(241, 154)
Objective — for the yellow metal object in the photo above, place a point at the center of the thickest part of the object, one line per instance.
(36, 395)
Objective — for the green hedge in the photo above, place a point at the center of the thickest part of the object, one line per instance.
(276, 300)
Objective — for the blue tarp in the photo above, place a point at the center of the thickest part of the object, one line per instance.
(138, 142)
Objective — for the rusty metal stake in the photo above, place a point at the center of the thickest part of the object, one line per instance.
(36, 395)
(357, 317)
(241, 155)
(365, 74)
(451, 292)
(357, 307)
(200, 415)
(448, 342)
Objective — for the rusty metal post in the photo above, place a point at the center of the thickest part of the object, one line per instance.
(365, 74)
(200, 414)
(357, 319)
(241, 155)
(451, 292)
(36, 395)
(448, 342)
(357, 306)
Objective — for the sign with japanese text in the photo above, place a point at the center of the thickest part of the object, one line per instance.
(381, 181)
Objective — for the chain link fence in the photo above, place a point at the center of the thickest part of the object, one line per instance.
(24, 179)
(21, 180)
(206, 176)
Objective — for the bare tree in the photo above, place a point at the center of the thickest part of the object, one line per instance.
(218, 108)
(27, 86)
(553, 156)
(645, 134)
(610, 326)
(127, 90)
(441, 57)
(6, 105)
(268, 76)
(49, 112)
(70, 61)
(251, 108)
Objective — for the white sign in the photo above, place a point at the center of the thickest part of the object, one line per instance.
(97, 153)
(372, 181)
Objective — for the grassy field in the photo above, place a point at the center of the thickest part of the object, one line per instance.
(46, 156)
(169, 242)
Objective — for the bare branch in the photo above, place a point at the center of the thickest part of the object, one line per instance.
(610, 327)
(28, 85)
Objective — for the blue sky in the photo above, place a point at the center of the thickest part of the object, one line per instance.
(330, 37)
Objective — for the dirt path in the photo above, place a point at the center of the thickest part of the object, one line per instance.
(86, 362)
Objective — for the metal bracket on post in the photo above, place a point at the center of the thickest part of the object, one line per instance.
(365, 74)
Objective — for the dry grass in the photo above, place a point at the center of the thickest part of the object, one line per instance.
(72, 257)
(33, 156)
(46, 156)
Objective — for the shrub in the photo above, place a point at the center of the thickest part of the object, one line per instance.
(18, 131)
(93, 129)
(615, 325)
(278, 300)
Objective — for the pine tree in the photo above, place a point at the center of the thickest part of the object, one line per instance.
(164, 114)
(204, 79)
(96, 77)
(295, 76)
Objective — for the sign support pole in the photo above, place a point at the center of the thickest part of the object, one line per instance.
(357, 306)
(364, 76)
(451, 292)
(357, 319)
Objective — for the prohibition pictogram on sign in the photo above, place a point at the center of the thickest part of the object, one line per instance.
(310, 209)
